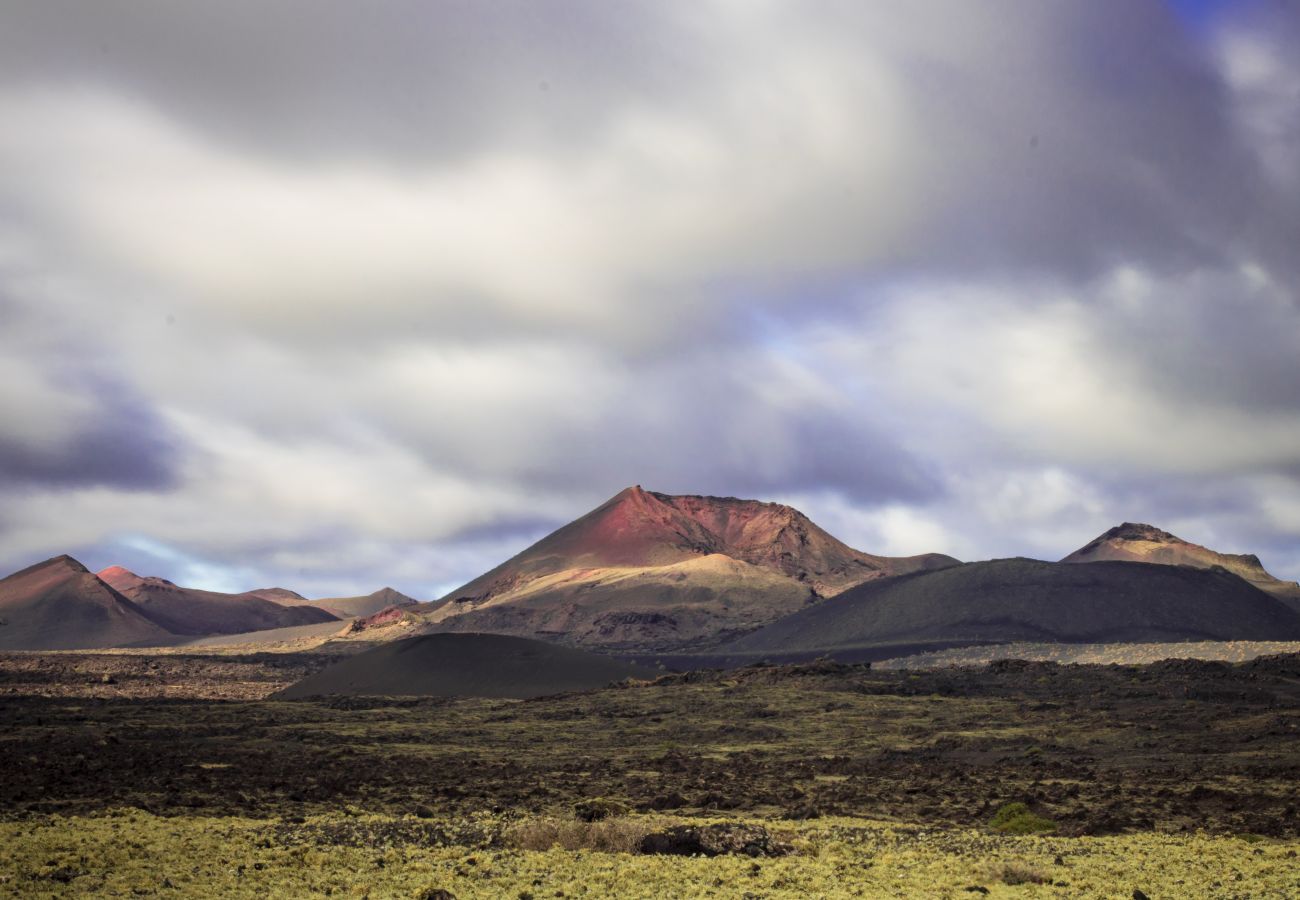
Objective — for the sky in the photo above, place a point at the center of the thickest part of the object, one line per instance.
(333, 295)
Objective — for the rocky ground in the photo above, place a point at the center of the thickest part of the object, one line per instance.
(1173, 747)
(155, 674)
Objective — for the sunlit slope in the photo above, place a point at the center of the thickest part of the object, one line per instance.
(655, 571)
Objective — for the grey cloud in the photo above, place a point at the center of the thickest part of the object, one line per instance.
(402, 81)
(119, 443)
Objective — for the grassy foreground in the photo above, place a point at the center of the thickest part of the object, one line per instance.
(134, 853)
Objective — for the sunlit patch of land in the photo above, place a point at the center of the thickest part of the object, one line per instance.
(130, 852)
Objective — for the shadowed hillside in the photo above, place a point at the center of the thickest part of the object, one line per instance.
(466, 665)
(1027, 600)
(61, 605)
(187, 611)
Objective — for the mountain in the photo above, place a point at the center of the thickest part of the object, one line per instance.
(1135, 542)
(188, 611)
(60, 605)
(283, 596)
(466, 665)
(650, 570)
(1028, 600)
(349, 607)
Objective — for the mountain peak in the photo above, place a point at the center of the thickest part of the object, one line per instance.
(1139, 531)
(64, 559)
(1137, 542)
(61, 563)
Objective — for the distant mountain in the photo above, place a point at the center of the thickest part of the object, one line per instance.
(349, 607)
(1135, 542)
(1027, 600)
(650, 570)
(189, 611)
(282, 596)
(466, 665)
(60, 605)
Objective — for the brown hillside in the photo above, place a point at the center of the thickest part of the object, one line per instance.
(60, 605)
(647, 570)
(189, 611)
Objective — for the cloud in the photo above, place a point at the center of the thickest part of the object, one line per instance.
(328, 295)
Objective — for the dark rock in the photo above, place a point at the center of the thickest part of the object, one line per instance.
(713, 840)
(673, 800)
(597, 808)
(1139, 895)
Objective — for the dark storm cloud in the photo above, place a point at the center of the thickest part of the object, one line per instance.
(117, 443)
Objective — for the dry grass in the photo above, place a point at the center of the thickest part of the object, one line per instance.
(619, 834)
(1015, 871)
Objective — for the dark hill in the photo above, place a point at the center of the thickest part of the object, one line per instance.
(1027, 600)
(466, 665)
(188, 611)
(60, 605)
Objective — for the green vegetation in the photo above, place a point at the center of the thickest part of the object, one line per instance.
(125, 853)
(840, 781)
(1016, 818)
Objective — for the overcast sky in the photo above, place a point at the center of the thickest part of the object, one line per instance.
(339, 295)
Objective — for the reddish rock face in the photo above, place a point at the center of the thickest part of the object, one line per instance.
(388, 616)
(642, 528)
(654, 571)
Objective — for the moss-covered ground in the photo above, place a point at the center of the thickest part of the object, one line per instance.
(133, 853)
(1176, 780)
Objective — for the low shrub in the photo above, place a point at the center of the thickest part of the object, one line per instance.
(1016, 818)
(1017, 871)
(618, 834)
